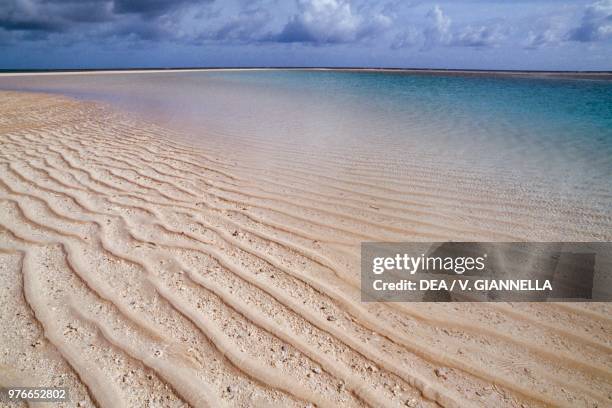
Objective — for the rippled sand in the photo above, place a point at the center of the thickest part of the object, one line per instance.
(140, 271)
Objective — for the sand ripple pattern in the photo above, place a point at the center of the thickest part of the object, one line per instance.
(140, 271)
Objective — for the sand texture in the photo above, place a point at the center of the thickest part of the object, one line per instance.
(140, 271)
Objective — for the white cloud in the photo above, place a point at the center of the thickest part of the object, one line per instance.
(330, 21)
(438, 27)
(479, 36)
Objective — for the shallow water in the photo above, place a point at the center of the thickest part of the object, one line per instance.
(547, 129)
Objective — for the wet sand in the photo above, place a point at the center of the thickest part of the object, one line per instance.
(140, 268)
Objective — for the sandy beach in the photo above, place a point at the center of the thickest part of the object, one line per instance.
(142, 268)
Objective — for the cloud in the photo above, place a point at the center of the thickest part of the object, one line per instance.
(246, 27)
(330, 21)
(596, 23)
(407, 38)
(37, 19)
(437, 31)
(47, 16)
(136, 29)
(479, 36)
(150, 7)
(204, 30)
(544, 38)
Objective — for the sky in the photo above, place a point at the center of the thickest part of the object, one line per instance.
(470, 34)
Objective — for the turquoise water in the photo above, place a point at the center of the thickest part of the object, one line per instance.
(552, 128)
(582, 104)
(518, 110)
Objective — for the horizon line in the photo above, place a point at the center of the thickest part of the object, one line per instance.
(562, 74)
(219, 67)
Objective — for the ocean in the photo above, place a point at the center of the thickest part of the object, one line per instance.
(545, 130)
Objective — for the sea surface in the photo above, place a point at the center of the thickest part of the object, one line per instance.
(553, 130)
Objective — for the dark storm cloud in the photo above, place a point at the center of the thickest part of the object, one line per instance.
(92, 11)
(52, 16)
(88, 16)
(30, 25)
(151, 7)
